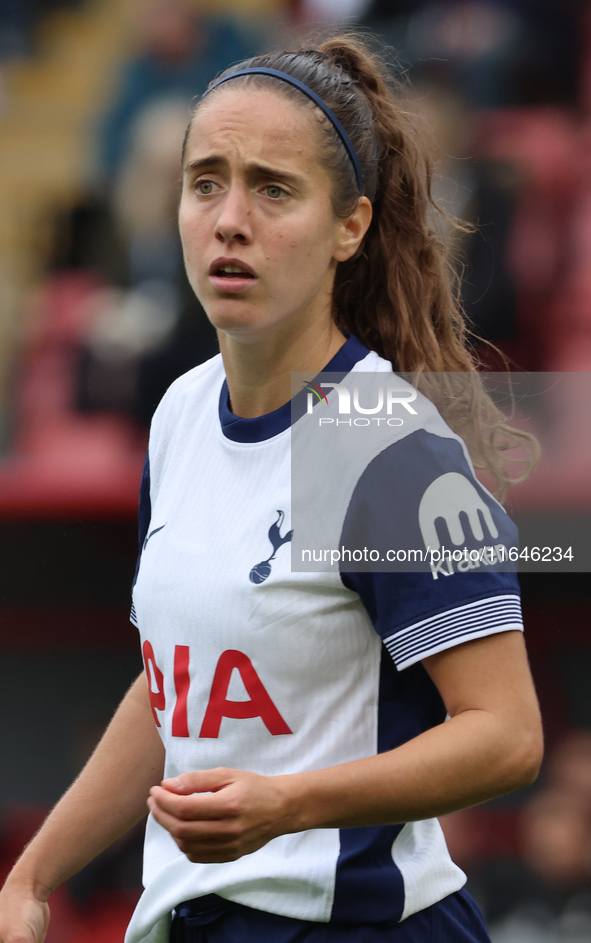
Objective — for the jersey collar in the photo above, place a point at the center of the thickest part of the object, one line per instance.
(271, 424)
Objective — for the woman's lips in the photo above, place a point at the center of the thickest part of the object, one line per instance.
(232, 283)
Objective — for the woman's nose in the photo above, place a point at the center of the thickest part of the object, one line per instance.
(234, 223)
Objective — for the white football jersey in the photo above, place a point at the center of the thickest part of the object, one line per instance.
(253, 666)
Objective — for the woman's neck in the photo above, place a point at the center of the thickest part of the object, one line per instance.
(259, 371)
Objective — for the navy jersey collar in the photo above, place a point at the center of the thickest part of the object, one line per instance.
(271, 424)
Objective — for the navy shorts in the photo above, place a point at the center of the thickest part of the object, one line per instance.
(456, 919)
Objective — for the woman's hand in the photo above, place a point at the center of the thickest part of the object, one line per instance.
(24, 918)
(221, 814)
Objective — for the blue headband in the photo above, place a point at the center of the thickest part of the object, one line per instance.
(317, 101)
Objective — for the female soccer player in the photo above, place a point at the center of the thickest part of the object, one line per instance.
(299, 719)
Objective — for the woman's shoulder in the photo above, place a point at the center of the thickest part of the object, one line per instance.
(197, 376)
(186, 390)
(192, 382)
(371, 362)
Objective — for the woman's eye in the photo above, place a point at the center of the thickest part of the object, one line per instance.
(274, 191)
(205, 187)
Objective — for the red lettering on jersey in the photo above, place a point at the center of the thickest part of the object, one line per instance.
(157, 698)
(259, 705)
(180, 725)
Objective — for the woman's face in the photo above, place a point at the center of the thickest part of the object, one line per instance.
(260, 239)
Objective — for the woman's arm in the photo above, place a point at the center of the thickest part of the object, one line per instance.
(491, 745)
(104, 802)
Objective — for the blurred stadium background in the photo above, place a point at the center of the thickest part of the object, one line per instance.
(96, 319)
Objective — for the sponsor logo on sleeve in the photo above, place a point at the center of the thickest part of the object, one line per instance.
(446, 498)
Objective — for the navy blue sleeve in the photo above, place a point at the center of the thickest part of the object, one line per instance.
(440, 574)
(145, 507)
(144, 517)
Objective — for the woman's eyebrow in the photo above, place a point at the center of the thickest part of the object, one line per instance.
(261, 170)
(203, 163)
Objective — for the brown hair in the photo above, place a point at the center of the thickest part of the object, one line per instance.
(398, 294)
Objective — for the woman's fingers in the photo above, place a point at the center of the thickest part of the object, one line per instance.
(190, 823)
(236, 816)
(194, 806)
(208, 780)
(201, 840)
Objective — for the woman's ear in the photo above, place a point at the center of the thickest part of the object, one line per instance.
(352, 230)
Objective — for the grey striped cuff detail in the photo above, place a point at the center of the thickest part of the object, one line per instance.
(446, 629)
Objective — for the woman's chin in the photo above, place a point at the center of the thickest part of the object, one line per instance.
(237, 323)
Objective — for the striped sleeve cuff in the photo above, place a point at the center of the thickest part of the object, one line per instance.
(133, 616)
(446, 629)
